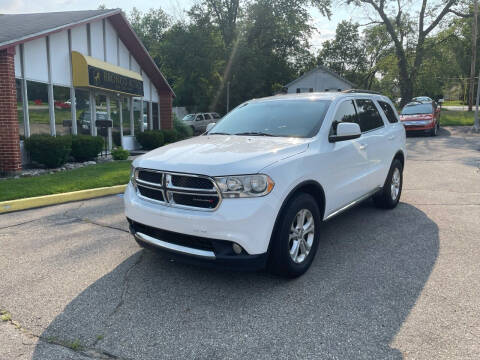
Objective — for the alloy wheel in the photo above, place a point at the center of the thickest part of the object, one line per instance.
(302, 234)
(395, 186)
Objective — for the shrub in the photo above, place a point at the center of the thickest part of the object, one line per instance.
(120, 154)
(170, 135)
(51, 151)
(85, 147)
(150, 139)
(183, 131)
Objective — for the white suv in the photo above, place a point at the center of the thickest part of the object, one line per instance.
(254, 190)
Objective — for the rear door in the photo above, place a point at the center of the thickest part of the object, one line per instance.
(199, 123)
(373, 141)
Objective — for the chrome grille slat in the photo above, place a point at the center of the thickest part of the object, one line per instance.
(189, 197)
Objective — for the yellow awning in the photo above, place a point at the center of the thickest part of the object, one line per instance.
(93, 73)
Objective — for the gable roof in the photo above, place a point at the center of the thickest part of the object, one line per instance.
(321, 68)
(19, 28)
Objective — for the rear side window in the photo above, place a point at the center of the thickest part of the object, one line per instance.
(368, 116)
(389, 112)
(345, 113)
(207, 116)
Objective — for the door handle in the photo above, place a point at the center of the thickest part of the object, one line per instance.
(391, 137)
(363, 146)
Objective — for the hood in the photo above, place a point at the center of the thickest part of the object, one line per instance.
(217, 155)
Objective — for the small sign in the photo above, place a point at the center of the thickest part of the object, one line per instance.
(104, 79)
(104, 123)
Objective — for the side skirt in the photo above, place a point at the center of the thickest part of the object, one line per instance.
(353, 203)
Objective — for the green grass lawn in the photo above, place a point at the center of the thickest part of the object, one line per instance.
(89, 177)
(453, 103)
(456, 118)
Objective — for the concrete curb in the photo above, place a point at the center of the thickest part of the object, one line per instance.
(39, 201)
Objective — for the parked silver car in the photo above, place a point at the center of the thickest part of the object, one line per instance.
(199, 121)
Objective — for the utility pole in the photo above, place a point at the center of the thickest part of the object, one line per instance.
(474, 54)
(476, 124)
(228, 96)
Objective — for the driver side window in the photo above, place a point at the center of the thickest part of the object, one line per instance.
(199, 118)
(345, 113)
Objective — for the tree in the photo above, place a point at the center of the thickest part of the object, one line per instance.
(429, 18)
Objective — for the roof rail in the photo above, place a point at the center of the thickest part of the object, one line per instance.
(351, 91)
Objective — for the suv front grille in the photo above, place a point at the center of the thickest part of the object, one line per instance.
(192, 182)
(180, 190)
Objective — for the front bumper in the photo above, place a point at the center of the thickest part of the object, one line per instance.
(418, 126)
(195, 250)
(248, 222)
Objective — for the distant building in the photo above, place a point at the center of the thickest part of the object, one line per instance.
(61, 72)
(319, 79)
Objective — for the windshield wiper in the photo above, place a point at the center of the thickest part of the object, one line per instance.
(219, 133)
(254, 133)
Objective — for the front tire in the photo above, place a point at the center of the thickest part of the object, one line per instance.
(295, 242)
(389, 196)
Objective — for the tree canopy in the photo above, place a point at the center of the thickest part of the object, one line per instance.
(258, 46)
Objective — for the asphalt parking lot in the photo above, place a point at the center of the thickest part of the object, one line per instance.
(384, 284)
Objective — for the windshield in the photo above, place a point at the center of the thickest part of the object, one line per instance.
(417, 109)
(288, 118)
(189, 117)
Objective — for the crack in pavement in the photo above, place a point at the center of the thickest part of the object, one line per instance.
(125, 284)
(87, 352)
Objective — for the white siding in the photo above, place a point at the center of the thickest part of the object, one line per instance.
(79, 39)
(135, 66)
(319, 80)
(60, 58)
(96, 39)
(146, 87)
(123, 55)
(36, 60)
(154, 94)
(18, 66)
(111, 39)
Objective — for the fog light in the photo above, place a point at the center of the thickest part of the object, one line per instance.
(237, 249)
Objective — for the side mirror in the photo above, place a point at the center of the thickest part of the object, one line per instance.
(346, 131)
(210, 126)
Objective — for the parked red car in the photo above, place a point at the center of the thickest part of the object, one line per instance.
(421, 117)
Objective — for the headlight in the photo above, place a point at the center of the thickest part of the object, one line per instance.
(244, 185)
(132, 176)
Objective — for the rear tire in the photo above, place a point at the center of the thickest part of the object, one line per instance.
(389, 196)
(295, 241)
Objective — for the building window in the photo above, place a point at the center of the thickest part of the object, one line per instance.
(156, 123)
(126, 116)
(137, 107)
(38, 112)
(63, 107)
(310, 90)
(21, 123)
(115, 116)
(83, 111)
(146, 117)
(298, 90)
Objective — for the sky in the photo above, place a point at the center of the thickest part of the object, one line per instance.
(325, 28)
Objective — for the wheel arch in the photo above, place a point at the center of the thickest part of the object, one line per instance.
(400, 156)
(310, 187)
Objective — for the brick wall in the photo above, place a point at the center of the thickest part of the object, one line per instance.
(166, 115)
(10, 157)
